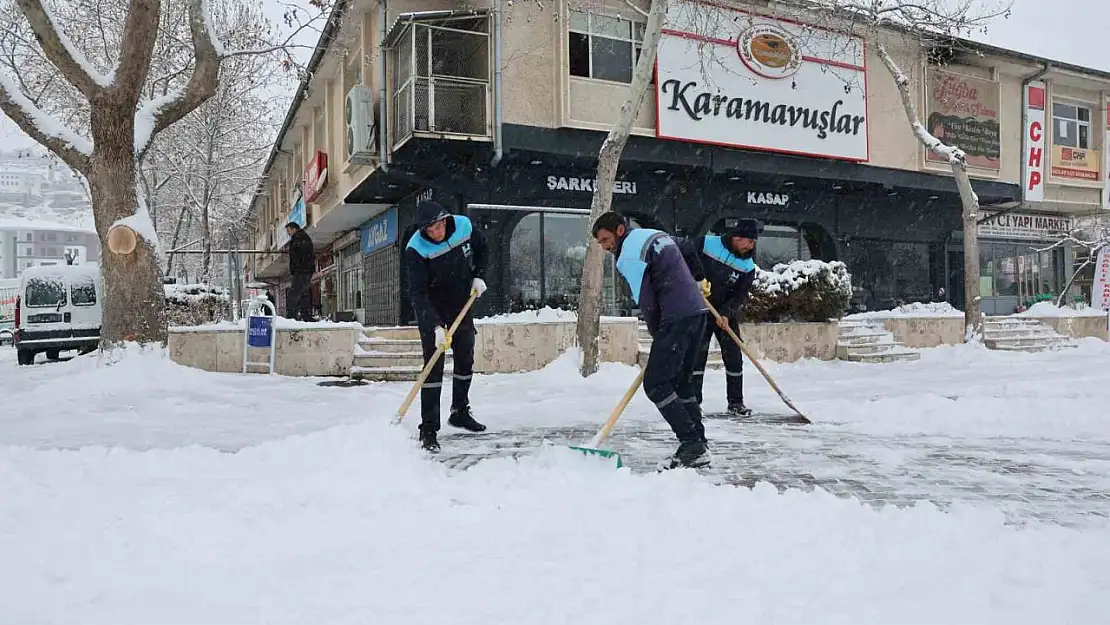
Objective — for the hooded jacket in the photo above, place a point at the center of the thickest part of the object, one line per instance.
(440, 274)
(730, 275)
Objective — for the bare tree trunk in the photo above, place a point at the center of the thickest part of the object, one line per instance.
(589, 299)
(973, 319)
(134, 301)
(206, 245)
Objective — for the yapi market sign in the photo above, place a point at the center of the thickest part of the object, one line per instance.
(759, 83)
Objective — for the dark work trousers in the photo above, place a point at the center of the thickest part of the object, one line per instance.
(730, 354)
(299, 305)
(669, 375)
(462, 351)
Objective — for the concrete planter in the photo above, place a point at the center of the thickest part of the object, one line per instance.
(788, 342)
(922, 332)
(516, 347)
(1078, 327)
(307, 351)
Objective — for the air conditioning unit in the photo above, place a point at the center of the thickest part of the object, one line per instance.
(358, 113)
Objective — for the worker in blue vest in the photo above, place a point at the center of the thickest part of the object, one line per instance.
(673, 310)
(727, 262)
(446, 260)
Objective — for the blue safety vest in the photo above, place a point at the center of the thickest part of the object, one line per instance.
(632, 262)
(715, 249)
(463, 229)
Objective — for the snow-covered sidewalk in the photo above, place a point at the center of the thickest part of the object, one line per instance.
(147, 492)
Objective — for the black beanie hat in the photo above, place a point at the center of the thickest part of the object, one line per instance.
(746, 228)
(428, 212)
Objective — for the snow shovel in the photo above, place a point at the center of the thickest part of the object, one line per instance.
(767, 376)
(594, 446)
(434, 359)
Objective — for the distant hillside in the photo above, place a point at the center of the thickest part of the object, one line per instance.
(58, 195)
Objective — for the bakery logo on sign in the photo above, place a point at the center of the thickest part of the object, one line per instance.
(769, 51)
(774, 199)
(563, 183)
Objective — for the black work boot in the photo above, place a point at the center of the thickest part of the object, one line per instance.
(464, 419)
(690, 454)
(428, 440)
(739, 409)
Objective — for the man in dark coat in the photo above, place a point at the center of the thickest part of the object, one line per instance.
(671, 302)
(446, 259)
(302, 264)
(727, 263)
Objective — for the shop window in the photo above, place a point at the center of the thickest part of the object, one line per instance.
(604, 47)
(1019, 271)
(546, 254)
(1071, 126)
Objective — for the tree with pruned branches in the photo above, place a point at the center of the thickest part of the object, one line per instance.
(95, 83)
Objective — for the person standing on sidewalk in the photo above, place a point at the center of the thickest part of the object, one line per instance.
(446, 259)
(727, 262)
(664, 288)
(302, 264)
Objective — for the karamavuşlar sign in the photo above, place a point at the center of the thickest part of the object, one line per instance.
(759, 83)
(963, 112)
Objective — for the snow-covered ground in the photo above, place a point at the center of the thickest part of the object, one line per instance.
(151, 493)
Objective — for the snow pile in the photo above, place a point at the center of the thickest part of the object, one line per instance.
(328, 514)
(546, 314)
(1048, 309)
(914, 309)
(188, 293)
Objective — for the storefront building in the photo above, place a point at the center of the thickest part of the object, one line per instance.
(824, 159)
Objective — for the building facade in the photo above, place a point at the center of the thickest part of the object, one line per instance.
(500, 114)
(30, 243)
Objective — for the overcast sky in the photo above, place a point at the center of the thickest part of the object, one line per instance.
(1072, 31)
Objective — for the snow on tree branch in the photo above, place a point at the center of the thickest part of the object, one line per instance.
(72, 148)
(953, 155)
(141, 223)
(146, 118)
(59, 49)
(137, 48)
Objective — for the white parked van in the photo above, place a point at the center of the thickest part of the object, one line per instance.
(58, 308)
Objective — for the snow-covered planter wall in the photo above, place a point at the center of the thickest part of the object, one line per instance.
(801, 291)
(530, 340)
(919, 325)
(1078, 324)
(303, 349)
(196, 304)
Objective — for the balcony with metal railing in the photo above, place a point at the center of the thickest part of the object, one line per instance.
(441, 78)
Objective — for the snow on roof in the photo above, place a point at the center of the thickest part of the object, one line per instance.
(58, 272)
(19, 223)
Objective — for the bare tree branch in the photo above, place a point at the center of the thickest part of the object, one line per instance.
(73, 65)
(136, 48)
(73, 149)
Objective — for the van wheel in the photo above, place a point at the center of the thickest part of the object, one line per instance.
(53, 354)
(25, 356)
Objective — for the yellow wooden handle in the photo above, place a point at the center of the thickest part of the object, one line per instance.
(603, 433)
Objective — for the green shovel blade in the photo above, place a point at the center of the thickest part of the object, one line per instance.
(603, 453)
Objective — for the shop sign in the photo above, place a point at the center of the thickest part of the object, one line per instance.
(316, 176)
(586, 185)
(1032, 164)
(1075, 163)
(771, 85)
(1024, 226)
(297, 215)
(772, 199)
(379, 232)
(963, 112)
(1100, 288)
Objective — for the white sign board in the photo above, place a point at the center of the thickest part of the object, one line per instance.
(1024, 226)
(1033, 143)
(1100, 289)
(725, 77)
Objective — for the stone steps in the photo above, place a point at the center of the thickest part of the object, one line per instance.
(860, 341)
(392, 354)
(1015, 334)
